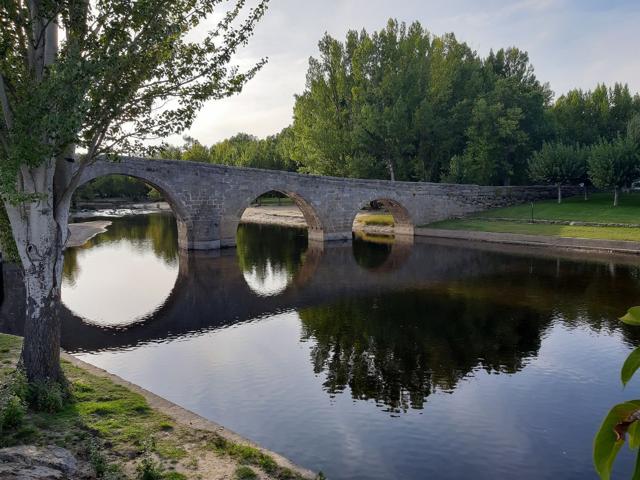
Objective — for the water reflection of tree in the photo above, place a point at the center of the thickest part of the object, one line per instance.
(158, 231)
(399, 348)
(575, 293)
(371, 252)
(264, 247)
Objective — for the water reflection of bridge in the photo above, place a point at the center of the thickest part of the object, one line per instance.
(211, 290)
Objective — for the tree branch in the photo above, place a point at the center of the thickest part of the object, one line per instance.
(4, 100)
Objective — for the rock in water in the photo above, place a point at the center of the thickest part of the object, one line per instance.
(29, 462)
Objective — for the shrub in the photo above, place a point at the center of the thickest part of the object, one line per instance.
(12, 412)
(12, 401)
(149, 469)
(245, 473)
(47, 396)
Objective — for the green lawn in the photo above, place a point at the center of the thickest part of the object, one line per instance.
(599, 209)
(481, 225)
(118, 431)
(377, 219)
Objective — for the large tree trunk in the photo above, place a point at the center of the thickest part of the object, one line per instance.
(41, 347)
(39, 240)
(615, 196)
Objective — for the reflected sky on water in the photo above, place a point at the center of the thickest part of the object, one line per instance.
(365, 360)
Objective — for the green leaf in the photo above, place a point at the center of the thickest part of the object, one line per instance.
(632, 317)
(636, 469)
(631, 364)
(606, 444)
(634, 435)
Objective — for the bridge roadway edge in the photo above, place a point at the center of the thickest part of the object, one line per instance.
(208, 200)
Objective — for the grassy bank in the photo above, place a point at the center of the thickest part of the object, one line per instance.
(597, 210)
(117, 431)
(573, 231)
(376, 219)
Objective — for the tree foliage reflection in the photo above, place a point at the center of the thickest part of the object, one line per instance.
(399, 348)
(265, 250)
(158, 229)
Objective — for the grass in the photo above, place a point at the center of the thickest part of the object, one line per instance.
(597, 209)
(273, 201)
(481, 225)
(245, 473)
(119, 432)
(378, 219)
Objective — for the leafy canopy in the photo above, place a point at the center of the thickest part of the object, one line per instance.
(613, 164)
(558, 164)
(125, 72)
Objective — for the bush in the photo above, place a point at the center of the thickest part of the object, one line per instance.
(149, 469)
(12, 401)
(102, 467)
(245, 473)
(12, 412)
(47, 396)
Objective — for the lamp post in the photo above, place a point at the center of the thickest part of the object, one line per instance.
(531, 212)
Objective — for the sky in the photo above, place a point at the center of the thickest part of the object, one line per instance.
(571, 43)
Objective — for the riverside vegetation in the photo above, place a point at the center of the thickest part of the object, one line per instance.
(595, 218)
(622, 423)
(116, 430)
(402, 103)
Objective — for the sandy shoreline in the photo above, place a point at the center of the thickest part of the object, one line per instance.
(291, 216)
(81, 233)
(285, 215)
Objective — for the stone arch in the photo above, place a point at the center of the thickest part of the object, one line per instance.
(180, 211)
(403, 222)
(315, 225)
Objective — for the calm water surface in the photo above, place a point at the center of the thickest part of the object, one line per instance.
(365, 361)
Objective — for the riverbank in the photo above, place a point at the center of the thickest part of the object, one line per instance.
(592, 224)
(81, 233)
(119, 430)
(109, 208)
(291, 216)
(556, 242)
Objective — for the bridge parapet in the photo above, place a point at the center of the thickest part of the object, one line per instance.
(208, 200)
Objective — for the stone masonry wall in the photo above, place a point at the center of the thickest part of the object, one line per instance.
(208, 200)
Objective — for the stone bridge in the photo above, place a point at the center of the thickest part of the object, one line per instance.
(209, 200)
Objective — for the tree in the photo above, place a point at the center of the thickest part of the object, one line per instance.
(124, 73)
(557, 164)
(493, 136)
(586, 116)
(400, 103)
(389, 83)
(613, 164)
(322, 114)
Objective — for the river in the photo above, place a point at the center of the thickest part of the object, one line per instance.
(366, 360)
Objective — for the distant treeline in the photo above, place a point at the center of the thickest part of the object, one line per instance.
(405, 104)
(402, 103)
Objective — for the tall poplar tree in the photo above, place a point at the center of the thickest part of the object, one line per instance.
(96, 77)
